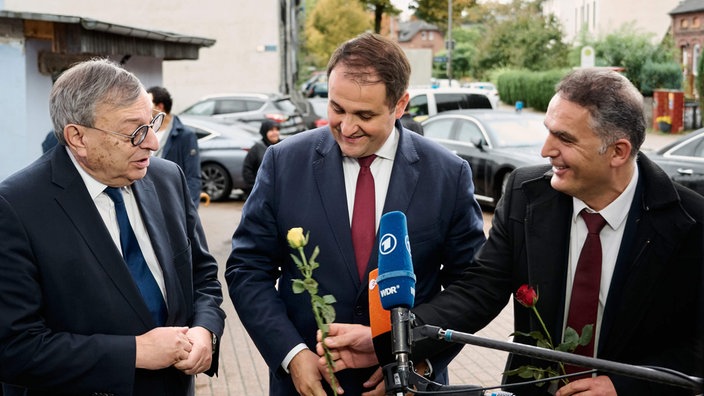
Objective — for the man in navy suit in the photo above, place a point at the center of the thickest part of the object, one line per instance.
(74, 320)
(308, 180)
(177, 142)
(649, 285)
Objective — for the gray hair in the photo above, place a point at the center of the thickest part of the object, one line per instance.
(615, 105)
(80, 89)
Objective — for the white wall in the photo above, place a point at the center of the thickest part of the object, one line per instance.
(650, 16)
(234, 63)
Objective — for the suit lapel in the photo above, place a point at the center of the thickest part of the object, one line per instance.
(150, 207)
(330, 181)
(80, 208)
(547, 230)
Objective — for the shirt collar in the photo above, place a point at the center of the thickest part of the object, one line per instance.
(95, 188)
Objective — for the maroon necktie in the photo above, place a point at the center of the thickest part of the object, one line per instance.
(587, 280)
(364, 215)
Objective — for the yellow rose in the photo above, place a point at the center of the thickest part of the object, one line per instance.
(295, 238)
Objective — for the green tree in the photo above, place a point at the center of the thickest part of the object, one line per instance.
(329, 24)
(379, 8)
(518, 35)
(435, 11)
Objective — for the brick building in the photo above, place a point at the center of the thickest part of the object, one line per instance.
(688, 35)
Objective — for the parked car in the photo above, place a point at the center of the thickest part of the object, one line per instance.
(318, 90)
(222, 147)
(427, 102)
(485, 87)
(320, 107)
(494, 142)
(251, 108)
(683, 160)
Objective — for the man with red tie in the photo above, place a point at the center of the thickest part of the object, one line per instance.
(335, 182)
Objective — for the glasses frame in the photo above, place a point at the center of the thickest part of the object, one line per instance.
(135, 137)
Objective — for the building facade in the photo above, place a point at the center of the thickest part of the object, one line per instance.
(688, 35)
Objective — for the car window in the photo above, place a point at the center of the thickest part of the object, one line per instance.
(203, 108)
(286, 105)
(418, 105)
(252, 104)
(519, 132)
(457, 101)
(438, 129)
(694, 148)
(226, 106)
(469, 132)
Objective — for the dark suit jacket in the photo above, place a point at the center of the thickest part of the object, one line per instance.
(70, 311)
(301, 184)
(181, 147)
(650, 316)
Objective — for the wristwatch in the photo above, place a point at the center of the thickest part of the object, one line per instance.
(215, 340)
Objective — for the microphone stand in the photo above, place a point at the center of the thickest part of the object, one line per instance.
(663, 377)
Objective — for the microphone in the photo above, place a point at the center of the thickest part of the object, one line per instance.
(397, 289)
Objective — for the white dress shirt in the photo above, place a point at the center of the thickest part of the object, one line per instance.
(611, 235)
(106, 208)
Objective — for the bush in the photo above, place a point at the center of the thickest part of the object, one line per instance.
(660, 76)
(534, 89)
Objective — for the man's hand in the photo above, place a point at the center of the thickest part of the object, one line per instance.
(306, 375)
(162, 347)
(350, 345)
(600, 386)
(201, 355)
(376, 384)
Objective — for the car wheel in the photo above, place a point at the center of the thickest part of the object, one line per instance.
(216, 181)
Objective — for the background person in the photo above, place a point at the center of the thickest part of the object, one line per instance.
(177, 142)
(102, 297)
(309, 180)
(270, 135)
(650, 280)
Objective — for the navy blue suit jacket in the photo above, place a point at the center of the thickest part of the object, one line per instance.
(70, 311)
(301, 184)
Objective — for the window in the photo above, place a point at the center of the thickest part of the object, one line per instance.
(230, 106)
(424, 35)
(695, 22)
(418, 106)
(470, 133)
(438, 129)
(684, 23)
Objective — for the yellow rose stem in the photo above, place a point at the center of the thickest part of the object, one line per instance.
(308, 274)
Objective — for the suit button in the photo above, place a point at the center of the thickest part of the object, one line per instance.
(358, 311)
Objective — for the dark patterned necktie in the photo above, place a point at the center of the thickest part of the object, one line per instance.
(584, 303)
(135, 261)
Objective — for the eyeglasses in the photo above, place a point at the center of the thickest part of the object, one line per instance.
(139, 134)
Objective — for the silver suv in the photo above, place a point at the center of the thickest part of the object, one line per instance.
(251, 108)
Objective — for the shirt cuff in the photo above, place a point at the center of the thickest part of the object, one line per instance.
(290, 355)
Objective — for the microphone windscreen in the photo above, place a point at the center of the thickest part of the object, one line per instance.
(380, 323)
(396, 280)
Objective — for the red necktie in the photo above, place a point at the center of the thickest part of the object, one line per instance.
(364, 215)
(587, 280)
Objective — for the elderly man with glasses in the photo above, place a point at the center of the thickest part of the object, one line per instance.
(108, 287)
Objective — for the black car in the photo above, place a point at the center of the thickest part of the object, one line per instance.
(251, 108)
(222, 147)
(494, 142)
(683, 160)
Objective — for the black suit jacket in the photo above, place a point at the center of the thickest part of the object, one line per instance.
(70, 311)
(651, 315)
(301, 184)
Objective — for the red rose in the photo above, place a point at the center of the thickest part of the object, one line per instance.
(527, 296)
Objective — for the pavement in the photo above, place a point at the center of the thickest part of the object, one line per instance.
(242, 369)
